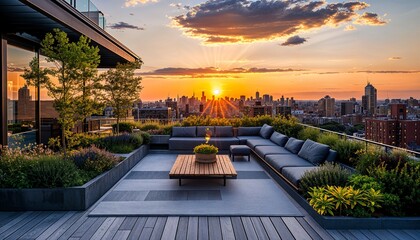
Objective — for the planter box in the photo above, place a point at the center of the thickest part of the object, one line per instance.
(330, 222)
(159, 139)
(73, 198)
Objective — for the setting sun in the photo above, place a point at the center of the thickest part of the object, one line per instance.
(216, 92)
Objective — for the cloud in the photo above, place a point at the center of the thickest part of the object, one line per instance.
(389, 72)
(394, 58)
(350, 28)
(212, 71)
(176, 5)
(370, 19)
(295, 40)
(124, 25)
(133, 3)
(231, 21)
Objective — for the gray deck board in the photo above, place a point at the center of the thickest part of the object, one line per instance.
(281, 228)
(182, 230)
(295, 228)
(368, 234)
(413, 233)
(336, 234)
(192, 231)
(92, 230)
(55, 226)
(138, 228)
(348, 235)
(6, 217)
(84, 227)
(38, 229)
(318, 229)
(259, 228)
(128, 223)
(170, 228)
(215, 230)
(269, 228)
(238, 228)
(314, 235)
(101, 230)
(28, 225)
(158, 229)
(121, 235)
(227, 228)
(203, 228)
(146, 233)
(112, 230)
(359, 235)
(400, 234)
(150, 222)
(383, 234)
(13, 224)
(249, 228)
(60, 230)
(72, 228)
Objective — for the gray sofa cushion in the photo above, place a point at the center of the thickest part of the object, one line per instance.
(295, 174)
(183, 131)
(262, 151)
(279, 139)
(314, 152)
(331, 156)
(294, 145)
(223, 131)
(201, 131)
(244, 139)
(223, 143)
(280, 161)
(249, 131)
(185, 143)
(266, 131)
(252, 143)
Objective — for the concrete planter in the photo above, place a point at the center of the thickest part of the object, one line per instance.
(331, 222)
(74, 198)
(205, 158)
(159, 139)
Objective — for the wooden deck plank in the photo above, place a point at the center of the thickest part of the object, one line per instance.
(54, 227)
(238, 228)
(413, 233)
(38, 229)
(63, 228)
(146, 233)
(169, 232)
(6, 217)
(317, 228)
(121, 235)
(27, 226)
(336, 234)
(71, 229)
(259, 228)
(203, 228)
(215, 231)
(348, 235)
(314, 235)
(150, 223)
(269, 228)
(138, 228)
(92, 230)
(15, 221)
(112, 230)
(192, 231)
(18, 223)
(400, 234)
(83, 228)
(227, 228)
(383, 234)
(249, 228)
(128, 223)
(181, 232)
(281, 228)
(158, 229)
(367, 233)
(358, 234)
(295, 228)
(101, 230)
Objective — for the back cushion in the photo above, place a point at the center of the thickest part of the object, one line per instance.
(249, 131)
(294, 145)
(279, 139)
(201, 131)
(266, 131)
(183, 131)
(314, 152)
(224, 131)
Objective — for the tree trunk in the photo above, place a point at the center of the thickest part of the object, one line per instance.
(63, 141)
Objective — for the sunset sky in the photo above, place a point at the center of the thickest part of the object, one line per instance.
(305, 49)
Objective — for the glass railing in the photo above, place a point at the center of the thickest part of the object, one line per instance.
(89, 10)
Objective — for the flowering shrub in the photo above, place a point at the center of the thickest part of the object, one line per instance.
(94, 160)
(123, 143)
(205, 149)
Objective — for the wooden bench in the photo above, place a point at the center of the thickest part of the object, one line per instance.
(185, 167)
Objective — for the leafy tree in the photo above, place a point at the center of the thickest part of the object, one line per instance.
(75, 67)
(121, 88)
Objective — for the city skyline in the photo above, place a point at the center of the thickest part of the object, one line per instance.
(335, 55)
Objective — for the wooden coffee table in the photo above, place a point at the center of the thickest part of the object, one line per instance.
(185, 167)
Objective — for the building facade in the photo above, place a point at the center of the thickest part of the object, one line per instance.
(369, 100)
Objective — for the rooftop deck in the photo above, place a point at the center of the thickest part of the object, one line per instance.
(126, 213)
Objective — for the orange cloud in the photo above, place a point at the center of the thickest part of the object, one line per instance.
(213, 72)
(229, 21)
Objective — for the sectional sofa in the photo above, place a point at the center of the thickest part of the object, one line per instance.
(288, 157)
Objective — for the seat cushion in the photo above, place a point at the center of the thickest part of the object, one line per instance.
(252, 143)
(202, 130)
(279, 161)
(295, 174)
(223, 143)
(185, 143)
(184, 132)
(244, 139)
(314, 152)
(266, 131)
(223, 131)
(294, 145)
(279, 139)
(249, 131)
(262, 151)
(240, 150)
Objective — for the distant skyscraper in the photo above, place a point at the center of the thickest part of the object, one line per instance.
(347, 107)
(203, 97)
(257, 95)
(266, 98)
(369, 100)
(326, 106)
(242, 98)
(282, 100)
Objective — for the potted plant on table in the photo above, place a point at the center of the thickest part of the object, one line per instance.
(205, 153)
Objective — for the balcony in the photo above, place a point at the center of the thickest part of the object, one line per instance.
(89, 10)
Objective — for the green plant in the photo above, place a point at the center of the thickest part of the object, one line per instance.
(347, 151)
(94, 160)
(53, 171)
(123, 143)
(83, 140)
(146, 137)
(205, 149)
(124, 127)
(149, 126)
(326, 174)
(309, 133)
(287, 125)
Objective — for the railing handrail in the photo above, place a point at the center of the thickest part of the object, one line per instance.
(415, 153)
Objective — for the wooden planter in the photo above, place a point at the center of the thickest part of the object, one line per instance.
(205, 158)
